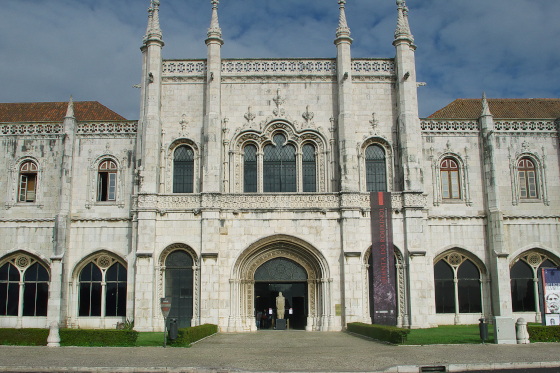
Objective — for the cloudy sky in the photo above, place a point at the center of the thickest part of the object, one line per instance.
(51, 49)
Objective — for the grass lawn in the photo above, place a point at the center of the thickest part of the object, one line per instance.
(448, 334)
(154, 339)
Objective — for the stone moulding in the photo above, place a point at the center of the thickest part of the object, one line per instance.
(321, 202)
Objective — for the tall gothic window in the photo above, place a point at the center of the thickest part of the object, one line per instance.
(376, 178)
(107, 181)
(458, 285)
(27, 182)
(450, 186)
(279, 166)
(102, 284)
(309, 168)
(250, 169)
(527, 179)
(35, 288)
(183, 170)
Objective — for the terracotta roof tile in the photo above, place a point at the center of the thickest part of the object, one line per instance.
(55, 112)
(509, 108)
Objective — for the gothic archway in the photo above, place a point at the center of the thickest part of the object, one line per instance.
(242, 282)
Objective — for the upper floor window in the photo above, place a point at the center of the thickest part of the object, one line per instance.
(250, 169)
(527, 178)
(183, 170)
(27, 182)
(107, 181)
(279, 166)
(309, 168)
(450, 185)
(376, 178)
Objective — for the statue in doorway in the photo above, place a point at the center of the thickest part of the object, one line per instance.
(280, 305)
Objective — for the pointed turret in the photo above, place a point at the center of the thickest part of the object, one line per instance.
(70, 110)
(215, 32)
(343, 31)
(149, 28)
(403, 29)
(154, 31)
(485, 108)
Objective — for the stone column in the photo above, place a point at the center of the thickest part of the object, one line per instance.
(144, 304)
(54, 307)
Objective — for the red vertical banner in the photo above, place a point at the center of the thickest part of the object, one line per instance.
(382, 279)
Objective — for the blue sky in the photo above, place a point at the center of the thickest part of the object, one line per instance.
(51, 49)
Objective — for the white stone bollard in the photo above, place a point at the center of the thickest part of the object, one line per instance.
(522, 333)
(54, 339)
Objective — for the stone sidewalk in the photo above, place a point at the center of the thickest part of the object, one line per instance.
(271, 351)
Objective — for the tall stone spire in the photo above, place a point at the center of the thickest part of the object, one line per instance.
(485, 107)
(343, 31)
(150, 17)
(403, 28)
(70, 110)
(215, 32)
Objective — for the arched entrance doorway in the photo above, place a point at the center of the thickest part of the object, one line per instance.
(284, 276)
(245, 282)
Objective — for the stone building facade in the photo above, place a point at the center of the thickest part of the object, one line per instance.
(245, 177)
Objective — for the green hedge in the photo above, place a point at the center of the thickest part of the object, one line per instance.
(544, 333)
(24, 337)
(187, 336)
(380, 332)
(105, 338)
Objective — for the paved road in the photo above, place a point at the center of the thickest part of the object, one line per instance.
(286, 351)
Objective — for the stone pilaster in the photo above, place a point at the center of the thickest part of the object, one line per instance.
(499, 266)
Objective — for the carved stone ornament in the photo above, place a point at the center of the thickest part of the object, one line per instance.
(183, 123)
(279, 100)
(249, 115)
(308, 116)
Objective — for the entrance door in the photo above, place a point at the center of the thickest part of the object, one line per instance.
(286, 276)
(179, 287)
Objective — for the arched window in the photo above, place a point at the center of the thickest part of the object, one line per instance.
(102, 288)
(27, 182)
(376, 178)
(309, 168)
(34, 288)
(527, 179)
(524, 281)
(36, 291)
(107, 181)
(458, 285)
(279, 166)
(183, 170)
(522, 288)
(179, 286)
(450, 185)
(250, 169)
(9, 290)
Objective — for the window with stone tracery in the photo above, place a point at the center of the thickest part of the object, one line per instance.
(23, 298)
(527, 179)
(450, 184)
(524, 280)
(102, 288)
(107, 181)
(279, 166)
(376, 176)
(183, 170)
(458, 285)
(250, 169)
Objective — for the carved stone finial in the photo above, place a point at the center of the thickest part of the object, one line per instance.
(215, 32)
(70, 110)
(249, 115)
(485, 107)
(374, 122)
(343, 31)
(184, 122)
(403, 29)
(308, 115)
(279, 101)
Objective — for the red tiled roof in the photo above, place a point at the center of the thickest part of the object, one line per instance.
(55, 112)
(508, 108)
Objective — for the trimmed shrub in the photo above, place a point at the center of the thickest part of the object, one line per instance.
(100, 338)
(24, 337)
(544, 333)
(187, 336)
(380, 332)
